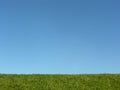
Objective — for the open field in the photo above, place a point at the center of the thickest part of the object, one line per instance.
(60, 82)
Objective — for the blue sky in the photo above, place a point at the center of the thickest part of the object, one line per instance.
(59, 36)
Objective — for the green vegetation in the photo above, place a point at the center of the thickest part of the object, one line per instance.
(60, 82)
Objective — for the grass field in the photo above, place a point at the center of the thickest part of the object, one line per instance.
(60, 82)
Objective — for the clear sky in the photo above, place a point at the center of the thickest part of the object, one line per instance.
(59, 36)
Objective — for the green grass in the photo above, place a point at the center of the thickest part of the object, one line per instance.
(60, 82)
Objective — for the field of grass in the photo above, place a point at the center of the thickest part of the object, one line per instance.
(60, 82)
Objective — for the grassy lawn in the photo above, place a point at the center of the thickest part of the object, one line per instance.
(60, 82)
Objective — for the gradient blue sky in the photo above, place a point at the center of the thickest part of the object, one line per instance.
(59, 36)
